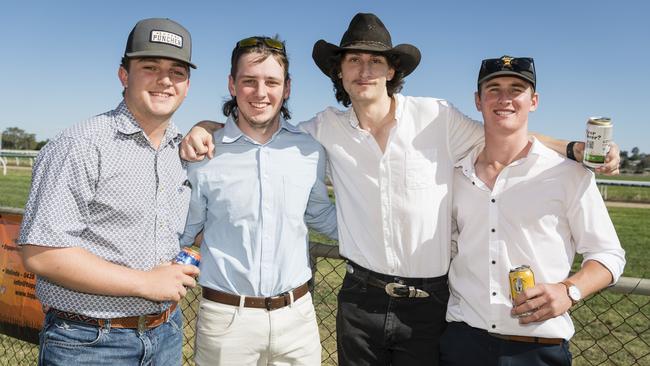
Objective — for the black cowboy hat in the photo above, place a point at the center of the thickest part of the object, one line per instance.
(366, 33)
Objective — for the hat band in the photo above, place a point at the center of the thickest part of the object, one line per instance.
(365, 43)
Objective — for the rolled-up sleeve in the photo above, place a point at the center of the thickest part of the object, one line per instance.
(592, 229)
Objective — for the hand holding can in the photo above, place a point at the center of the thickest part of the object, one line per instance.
(598, 138)
(521, 278)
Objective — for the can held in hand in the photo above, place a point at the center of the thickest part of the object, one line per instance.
(521, 278)
(599, 136)
(188, 255)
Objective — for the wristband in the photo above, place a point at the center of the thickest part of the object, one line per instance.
(569, 150)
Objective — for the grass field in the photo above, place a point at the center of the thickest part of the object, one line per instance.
(14, 187)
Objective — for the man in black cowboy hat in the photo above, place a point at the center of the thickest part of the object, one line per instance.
(394, 214)
(392, 160)
(564, 214)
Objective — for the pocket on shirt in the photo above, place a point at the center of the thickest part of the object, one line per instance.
(296, 195)
(420, 168)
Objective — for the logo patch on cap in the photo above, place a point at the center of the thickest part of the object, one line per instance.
(173, 39)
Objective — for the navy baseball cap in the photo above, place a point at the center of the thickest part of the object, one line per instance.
(521, 67)
(159, 37)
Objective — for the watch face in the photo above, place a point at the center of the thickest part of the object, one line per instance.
(574, 293)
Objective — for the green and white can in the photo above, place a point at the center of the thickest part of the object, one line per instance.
(599, 136)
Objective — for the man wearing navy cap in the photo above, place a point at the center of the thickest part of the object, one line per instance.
(563, 214)
(105, 211)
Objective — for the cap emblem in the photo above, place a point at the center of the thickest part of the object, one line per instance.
(507, 61)
(158, 36)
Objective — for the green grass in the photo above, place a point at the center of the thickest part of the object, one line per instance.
(637, 177)
(626, 194)
(14, 187)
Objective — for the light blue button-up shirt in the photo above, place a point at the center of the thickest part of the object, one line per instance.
(254, 202)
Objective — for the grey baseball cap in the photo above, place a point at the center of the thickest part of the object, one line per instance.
(158, 37)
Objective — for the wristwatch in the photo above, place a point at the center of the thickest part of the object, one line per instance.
(572, 291)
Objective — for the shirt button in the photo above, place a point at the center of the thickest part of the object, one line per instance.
(493, 230)
(493, 326)
(494, 262)
(494, 294)
(493, 200)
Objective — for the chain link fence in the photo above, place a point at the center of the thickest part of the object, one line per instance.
(612, 327)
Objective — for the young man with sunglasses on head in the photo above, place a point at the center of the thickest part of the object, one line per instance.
(563, 214)
(253, 202)
(105, 211)
(391, 158)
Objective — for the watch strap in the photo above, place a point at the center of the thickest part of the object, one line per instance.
(568, 284)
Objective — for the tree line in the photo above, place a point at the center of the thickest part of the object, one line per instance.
(14, 138)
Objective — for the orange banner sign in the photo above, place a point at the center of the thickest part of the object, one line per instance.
(21, 315)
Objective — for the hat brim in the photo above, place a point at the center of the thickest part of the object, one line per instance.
(507, 73)
(409, 55)
(158, 54)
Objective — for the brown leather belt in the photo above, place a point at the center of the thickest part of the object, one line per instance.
(268, 303)
(142, 322)
(526, 339)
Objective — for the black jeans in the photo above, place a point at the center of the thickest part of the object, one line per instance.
(374, 328)
(463, 345)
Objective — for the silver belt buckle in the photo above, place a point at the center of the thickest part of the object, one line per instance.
(405, 291)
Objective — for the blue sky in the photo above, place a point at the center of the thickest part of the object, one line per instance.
(60, 58)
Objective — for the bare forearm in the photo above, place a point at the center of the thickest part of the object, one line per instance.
(77, 269)
(591, 278)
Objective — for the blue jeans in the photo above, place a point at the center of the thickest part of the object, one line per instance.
(64, 342)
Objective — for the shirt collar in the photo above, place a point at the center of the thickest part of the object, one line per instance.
(399, 108)
(232, 133)
(127, 125)
(467, 163)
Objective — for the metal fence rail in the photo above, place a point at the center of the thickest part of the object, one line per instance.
(612, 327)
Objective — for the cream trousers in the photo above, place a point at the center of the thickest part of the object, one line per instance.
(231, 335)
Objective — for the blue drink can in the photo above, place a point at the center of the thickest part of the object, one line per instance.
(188, 255)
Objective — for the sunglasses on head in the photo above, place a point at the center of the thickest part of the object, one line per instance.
(517, 64)
(255, 41)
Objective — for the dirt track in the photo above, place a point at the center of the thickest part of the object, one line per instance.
(627, 204)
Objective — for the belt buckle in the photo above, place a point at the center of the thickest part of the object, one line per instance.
(268, 303)
(142, 323)
(398, 290)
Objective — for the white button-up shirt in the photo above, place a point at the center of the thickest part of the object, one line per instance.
(394, 208)
(542, 210)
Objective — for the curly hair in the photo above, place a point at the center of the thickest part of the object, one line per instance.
(230, 106)
(392, 86)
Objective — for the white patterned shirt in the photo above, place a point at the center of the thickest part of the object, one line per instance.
(101, 186)
(394, 208)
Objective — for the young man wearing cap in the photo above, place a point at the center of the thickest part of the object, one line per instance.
(391, 158)
(564, 214)
(253, 202)
(106, 208)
